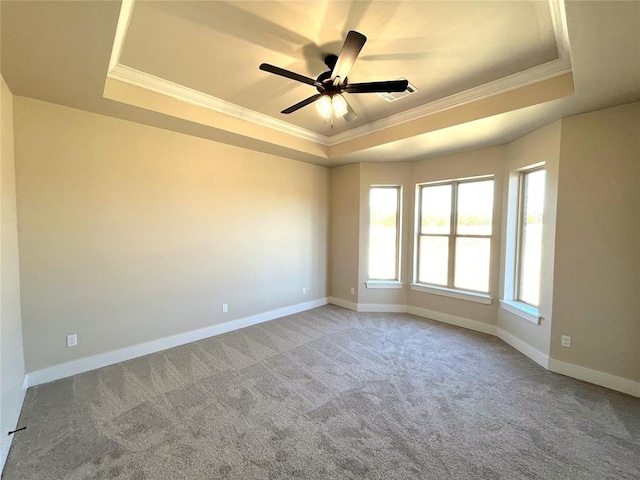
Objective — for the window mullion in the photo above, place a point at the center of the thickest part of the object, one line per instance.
(452, 234)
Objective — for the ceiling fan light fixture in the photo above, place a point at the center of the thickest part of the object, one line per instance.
(329, 100)
(339, 105)
(324, 107)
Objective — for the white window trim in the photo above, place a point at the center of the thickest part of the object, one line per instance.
(475, 297)
(383, 284)
(509, 303)
(449, 291)
(399, 222)
(522, 310)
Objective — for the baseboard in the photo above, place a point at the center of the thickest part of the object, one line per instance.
(381, 307)
(596, 377)
(13, 420)
(453, 320)
(534, 354)
(620, 384)
(86, 364)
(343, 303)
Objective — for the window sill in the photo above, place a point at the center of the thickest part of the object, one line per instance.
(383, 284)
(522, 310)
(453, 293)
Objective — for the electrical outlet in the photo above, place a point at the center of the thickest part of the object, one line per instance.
(225, 308)
(353, 291)
(566, 341)
(304, 290)
(72, 340)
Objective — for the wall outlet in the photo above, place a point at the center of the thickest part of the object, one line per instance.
(353, 291)
(304, 290)
(225, 308)
(72, 340)
(566, 340)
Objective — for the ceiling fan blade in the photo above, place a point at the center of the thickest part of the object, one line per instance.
(301, 104)
(375, 87)
(351, 114)
(289, 74)
(350, 50)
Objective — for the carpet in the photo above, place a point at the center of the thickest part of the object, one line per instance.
(328, 394)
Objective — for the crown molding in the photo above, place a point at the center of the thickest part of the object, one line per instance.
(539, 73)
(138, 78)
(555, 68)
(126, 10)
(533, 75)
(150, 82)
(559, 19)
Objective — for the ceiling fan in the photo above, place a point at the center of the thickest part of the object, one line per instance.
(334, 82)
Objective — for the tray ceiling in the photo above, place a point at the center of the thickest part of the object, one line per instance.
(487, 72)
(443, 48)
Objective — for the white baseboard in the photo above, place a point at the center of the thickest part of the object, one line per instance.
(381, 307)
(453, 320)
(597, 377)
(14, 416)
(343, 303)
(534, 354)
(86, 364)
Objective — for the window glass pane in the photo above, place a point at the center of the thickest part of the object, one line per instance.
(531, 239)
(383, 233)
(434, 260)
(436, 209)
(472, 264)
(475, 207)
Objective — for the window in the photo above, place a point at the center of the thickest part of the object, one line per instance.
(454, 234)
(384, 232)
(529, 236)
(523, 242)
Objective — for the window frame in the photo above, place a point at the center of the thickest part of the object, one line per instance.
(512, 245)
(387, 282)
(520, 225)
(450, 289)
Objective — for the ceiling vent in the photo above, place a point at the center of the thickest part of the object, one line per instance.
(392, 97)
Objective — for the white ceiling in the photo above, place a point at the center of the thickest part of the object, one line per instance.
(60, 52)
(441, 47)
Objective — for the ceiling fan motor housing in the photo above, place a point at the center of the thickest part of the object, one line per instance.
(327, 84)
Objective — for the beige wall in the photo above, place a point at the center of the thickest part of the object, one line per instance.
(590, 260)
(540, 146)
(597, 264)
(345, 231)
(130, 233)
(488, 161)
(11, 351)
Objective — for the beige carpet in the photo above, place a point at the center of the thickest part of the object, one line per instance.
(328, 394)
